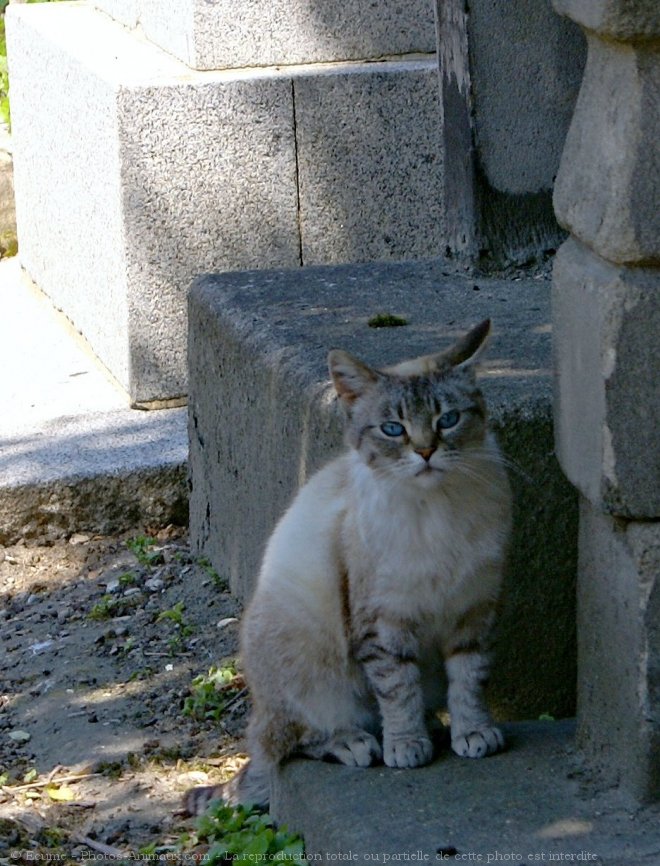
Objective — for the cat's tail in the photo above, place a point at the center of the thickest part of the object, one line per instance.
(249, 787)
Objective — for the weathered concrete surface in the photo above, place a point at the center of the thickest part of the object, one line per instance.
(510, 73)
(619, 660)
(607, 363)
(73, 456)
(370, 162)
(608, 186)
(618, 19)
(262, 417)
(277, 32)
(525, 805)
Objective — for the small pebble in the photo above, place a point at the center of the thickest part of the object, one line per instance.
(78, 538)
(154, 584)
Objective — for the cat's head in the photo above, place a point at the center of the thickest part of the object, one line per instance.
(417, 419)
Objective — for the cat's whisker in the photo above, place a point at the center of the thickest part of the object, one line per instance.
(502, 460)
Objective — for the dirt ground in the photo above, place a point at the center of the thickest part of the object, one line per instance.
(100, 640)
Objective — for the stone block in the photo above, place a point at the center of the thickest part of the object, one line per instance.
(370, 162)
(262, 418)
(524, 805)
(265, 33)
(165, 174)
(103, 472)
(619, 650)
(127, 12)
(617, 19)
(607, 366)
(510, 74)
(170, 173)
(608, 186)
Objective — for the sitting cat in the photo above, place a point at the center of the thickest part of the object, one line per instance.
(387, 565)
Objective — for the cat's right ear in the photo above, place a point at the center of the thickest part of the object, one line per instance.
(350, 376)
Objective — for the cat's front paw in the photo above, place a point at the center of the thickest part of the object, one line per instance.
(355, 749)
(405, 752)
(478, 744)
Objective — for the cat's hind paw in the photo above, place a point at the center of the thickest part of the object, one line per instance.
(479, 743)
(197, 800)
(404, 752)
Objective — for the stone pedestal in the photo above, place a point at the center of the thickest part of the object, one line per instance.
(619, 650)
(135, 173)
(606, 308)
(225, 34)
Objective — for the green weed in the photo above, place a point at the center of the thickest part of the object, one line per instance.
(110, 606)
(240, 833)
(220, 583)
(140, 547)
(209, 693)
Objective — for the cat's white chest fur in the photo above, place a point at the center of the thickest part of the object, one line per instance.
(424, 546)
(419, 548)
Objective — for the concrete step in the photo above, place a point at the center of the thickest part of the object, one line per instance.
(73, 456)
(530, 804)
(263, 417)
(169, 172)
(272, 32)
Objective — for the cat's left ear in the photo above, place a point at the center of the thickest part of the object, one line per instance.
(466, 351)
(351, 377)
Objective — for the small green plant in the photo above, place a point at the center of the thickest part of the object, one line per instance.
(386, 320)
(110, 606)
(127, 579)
(4, 76)
(175, 615)
(241, 833)
(183, 629)
(141, 546)
(141, 674)
(106, 608)
(111, 769)
(219, 582)
(209, 693)
(127, 647)
(546, 717)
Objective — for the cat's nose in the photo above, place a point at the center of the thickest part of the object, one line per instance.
(425, 452)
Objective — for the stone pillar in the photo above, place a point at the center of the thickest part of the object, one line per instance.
(510, 71)
(606, 310)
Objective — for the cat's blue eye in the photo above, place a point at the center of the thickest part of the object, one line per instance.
(393, 428)
(449, 419)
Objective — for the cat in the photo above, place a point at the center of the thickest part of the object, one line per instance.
(386, 567)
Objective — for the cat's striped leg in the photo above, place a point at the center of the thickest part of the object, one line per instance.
(388, 655)
(473, 734)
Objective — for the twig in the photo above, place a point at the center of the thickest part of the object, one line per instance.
(106, 850)
(9, 789)
(234, 700)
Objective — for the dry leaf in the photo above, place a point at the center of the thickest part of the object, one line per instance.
(62, 794)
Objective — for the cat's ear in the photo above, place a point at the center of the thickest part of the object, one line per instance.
(350, 376)
(466, 351)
